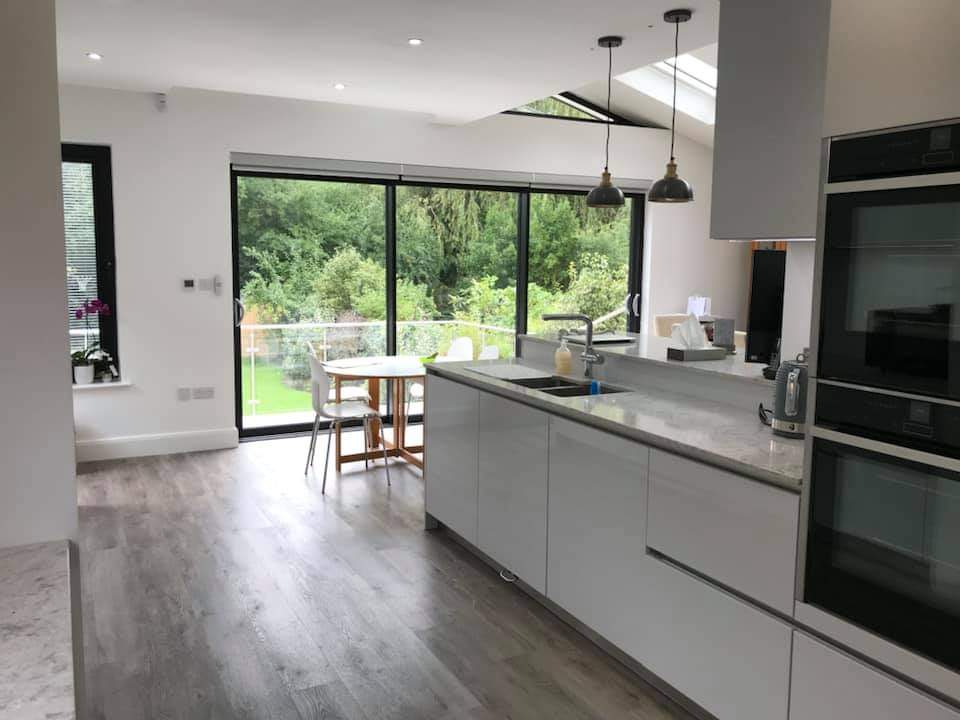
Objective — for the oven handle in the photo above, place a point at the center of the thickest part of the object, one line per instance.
(889, 449)
(900, 182)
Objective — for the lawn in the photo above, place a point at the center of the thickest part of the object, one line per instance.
(274, 395)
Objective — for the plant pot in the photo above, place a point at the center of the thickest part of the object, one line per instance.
(83, 374)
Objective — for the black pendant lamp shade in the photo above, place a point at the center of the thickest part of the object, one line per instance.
(606, 194)
(671, 187)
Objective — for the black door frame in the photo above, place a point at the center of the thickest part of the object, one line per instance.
(634, 280)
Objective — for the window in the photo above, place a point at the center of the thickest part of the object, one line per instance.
(456, 269)
(88, 234)
(311, 262)
(579, 260)
(353, 267)
(696, 85)
(568, 106)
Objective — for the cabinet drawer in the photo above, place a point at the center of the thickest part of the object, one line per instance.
(724, 654)
(737, 531)
(828, 685)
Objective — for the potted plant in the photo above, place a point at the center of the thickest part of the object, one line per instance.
(84, 361)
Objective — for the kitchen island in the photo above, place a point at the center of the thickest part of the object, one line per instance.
(660, 520)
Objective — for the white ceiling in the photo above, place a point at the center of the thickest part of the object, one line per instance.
(478, 58)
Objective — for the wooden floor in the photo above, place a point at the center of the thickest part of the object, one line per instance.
(223, 585)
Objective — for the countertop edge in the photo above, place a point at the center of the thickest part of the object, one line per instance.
(661, 442)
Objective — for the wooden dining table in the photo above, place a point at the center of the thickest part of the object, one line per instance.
(396, 370)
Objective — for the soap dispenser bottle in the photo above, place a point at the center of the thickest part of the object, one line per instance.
(562, 359)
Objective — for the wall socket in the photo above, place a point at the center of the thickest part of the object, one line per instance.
(183, 394)
(203, 393)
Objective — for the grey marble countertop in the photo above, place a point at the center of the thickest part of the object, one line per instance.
(714, 433)
(653, 349)
(36, 635)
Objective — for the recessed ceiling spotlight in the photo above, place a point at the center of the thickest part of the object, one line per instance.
(339, 86)
(415, 42)
(94, 56)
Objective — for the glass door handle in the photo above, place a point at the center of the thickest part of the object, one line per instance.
(238, 312)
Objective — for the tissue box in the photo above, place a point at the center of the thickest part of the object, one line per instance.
(688, 355)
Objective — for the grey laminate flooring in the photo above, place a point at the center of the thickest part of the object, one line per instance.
(223, 585)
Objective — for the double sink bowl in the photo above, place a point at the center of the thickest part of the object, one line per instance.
(564, 387)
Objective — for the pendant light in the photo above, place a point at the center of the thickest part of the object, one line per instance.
(671, 187)
(606, 194)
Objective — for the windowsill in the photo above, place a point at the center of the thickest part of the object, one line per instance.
(102, 386)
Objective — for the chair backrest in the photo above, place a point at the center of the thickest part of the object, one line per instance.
(319, 384)
(664, 323)
(489, 352)
(460, 349)
(310, 348)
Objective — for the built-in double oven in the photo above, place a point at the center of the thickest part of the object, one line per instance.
(880, 546)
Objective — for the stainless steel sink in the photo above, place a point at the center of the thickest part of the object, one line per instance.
(580, 390)
(539, 383)
(563, 387)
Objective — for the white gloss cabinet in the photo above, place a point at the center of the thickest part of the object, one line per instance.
(829, 685)
(512, 517)
(725, 655)
(736, 531)
(595, 547)
(450, 472)
(770, 94)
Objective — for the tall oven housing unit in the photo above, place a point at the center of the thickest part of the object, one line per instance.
(880, 531)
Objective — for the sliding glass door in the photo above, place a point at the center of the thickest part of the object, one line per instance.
(347, 268)
(579, 261)
(311, 275)
(456, 270)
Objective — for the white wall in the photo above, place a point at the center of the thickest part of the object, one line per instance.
(891, 63)
(797, 298)
(38, 498)
(172, 213)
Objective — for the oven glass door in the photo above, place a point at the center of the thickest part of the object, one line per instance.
(890, 310)
(883, 548)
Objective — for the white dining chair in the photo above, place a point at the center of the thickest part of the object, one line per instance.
(460, 349)
(347, 392)
(337, 413)
(663, 324)
(489, 352)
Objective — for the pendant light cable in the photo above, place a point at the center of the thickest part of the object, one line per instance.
(606, 161)
(673, 122)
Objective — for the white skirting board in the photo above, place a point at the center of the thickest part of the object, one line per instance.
(159, 444)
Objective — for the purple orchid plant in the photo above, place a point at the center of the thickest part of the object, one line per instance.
(90, 354)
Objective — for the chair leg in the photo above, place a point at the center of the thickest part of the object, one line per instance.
(316, 435)
(313, 444)
(366, 443)
(326, 461)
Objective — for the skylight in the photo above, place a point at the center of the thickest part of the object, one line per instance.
(696, 85)
(564, 107)
(693, 71)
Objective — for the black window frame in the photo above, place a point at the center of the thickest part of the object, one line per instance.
(634, 279)
(100, 159)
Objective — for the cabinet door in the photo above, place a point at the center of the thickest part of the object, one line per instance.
(828, 685)
(450, 467)
(512, 522)
(771, 107)
(725, 655)
(737, 531)
(595, 551)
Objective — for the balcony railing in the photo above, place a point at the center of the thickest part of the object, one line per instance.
(275, 366)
